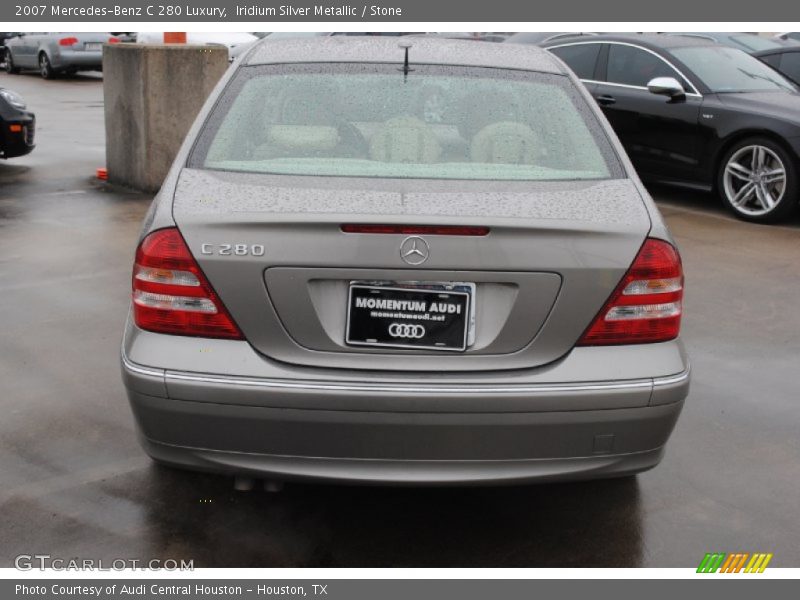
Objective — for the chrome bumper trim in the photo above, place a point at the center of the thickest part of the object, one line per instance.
(141, 370)
(673, 379)
(330, 386)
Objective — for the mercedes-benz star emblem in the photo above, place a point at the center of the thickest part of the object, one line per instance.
(414, 250)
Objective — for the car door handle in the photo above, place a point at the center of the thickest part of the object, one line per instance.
(605, 100)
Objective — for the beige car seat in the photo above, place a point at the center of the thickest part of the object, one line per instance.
(405, 140)
(506, 142)
(305, 124)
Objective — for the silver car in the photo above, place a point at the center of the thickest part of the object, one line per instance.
(54, 53)
(424, 262)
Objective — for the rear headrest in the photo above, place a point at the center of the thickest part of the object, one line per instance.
(308, 138)
(507, 142)
(310, 104)
(481, 109)
(405, 140)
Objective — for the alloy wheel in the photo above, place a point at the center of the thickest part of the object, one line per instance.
(44, 67)
(754, 180)
(8, 63)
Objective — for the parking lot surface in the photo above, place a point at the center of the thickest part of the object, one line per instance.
(74, 482)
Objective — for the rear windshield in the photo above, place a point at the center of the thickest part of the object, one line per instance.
(433, 123)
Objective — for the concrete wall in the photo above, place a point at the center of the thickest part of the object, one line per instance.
(152, 95)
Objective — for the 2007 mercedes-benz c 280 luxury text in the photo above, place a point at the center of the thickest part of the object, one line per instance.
(424, 263)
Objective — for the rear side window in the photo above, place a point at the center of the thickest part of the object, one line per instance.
(581, 58)
(633, 66)
(368, 120)
(773, 60)
(790, 66)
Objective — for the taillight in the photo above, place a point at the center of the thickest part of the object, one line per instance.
(646, 306)
(171, 294)
(67, 41)
(113, 40)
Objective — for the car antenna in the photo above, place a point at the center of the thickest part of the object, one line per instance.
(406, 68)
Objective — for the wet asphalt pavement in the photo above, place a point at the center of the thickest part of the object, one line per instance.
(74, 483)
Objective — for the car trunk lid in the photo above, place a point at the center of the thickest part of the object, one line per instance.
(274, 249)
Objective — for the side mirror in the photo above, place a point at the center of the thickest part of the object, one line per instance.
(666, 86)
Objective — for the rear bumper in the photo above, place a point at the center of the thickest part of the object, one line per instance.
(77, 59)
(424, 431)
(404, 472)
(403, 448)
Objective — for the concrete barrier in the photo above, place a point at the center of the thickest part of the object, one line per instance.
(152, 95)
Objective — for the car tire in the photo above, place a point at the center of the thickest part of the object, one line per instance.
(9, 65)
(758, 181)
(45, 67)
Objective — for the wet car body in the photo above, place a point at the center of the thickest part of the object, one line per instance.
(17, 126)
(292, 389)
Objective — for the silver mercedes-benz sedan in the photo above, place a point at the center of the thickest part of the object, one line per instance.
(424, 262)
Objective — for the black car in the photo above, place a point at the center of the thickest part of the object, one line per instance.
(696, 113)
(784, 60)
(7, 35)
(17, 125)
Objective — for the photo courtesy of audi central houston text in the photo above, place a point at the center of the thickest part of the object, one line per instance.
(425, 263)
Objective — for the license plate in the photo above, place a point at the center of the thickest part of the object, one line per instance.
(93, 46)
(421, 316)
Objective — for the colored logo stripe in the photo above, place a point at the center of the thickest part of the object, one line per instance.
(734, 563)
(711, 562)
(758, 563)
